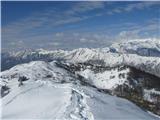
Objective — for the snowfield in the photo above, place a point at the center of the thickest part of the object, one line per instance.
(40, 101)
(46, 98)
(35, 101)
(106, 79)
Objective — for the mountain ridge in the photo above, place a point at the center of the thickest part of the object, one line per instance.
(85, 79)
(146, 63)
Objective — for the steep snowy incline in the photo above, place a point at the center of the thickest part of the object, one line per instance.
(106, 107)
(43, 98)
(143, 47)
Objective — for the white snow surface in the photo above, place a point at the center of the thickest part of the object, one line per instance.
(144, 47)
(43, 98)
(144, 54)
(36, 101)
(105, 80)
(37, 70)
(147, 64)
(85, 54)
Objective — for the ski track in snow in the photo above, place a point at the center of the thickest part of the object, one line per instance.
(78, 108)
(77, 105)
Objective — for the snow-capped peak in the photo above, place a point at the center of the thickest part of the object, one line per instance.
(143, 47)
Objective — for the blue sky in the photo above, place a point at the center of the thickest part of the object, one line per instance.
(69, 25)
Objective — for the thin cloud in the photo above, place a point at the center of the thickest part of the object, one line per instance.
(140, 5)
(133, 6)
(51, 18)
(54, 18)
(88, 6)
(29, 29)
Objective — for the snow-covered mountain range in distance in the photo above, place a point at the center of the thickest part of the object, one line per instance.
(143, 47)
(142, 54)
(84, 81)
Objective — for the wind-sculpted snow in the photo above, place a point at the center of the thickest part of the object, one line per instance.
(43, 98)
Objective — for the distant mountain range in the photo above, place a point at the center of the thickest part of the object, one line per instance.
(142, 54)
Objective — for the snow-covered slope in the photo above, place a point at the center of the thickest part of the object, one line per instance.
(147, 64)
(40, 101)
(40, 97)
(36, 101)
(143, 47)
(108, 79)
(36, 70)
(84, 54)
